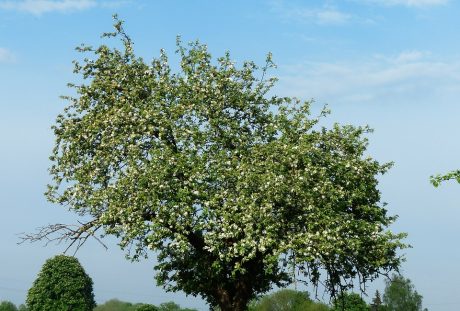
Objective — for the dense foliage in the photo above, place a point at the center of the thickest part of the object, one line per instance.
(219, 179)
(62, 284)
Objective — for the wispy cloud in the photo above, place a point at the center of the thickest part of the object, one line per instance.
(409, 3)
(6, 56)
(326, 15)
(404, 57)
(39, 7)
(113, 4)
(330, 16)
(408, 75)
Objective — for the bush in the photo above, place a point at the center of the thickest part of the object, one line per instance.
(62, 284)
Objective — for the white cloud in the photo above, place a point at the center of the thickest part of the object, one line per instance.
(326, 15)
(408, 76)
(409, 3)
(39, 7)
(6, 56)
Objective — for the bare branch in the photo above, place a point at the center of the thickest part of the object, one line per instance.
(75, 235)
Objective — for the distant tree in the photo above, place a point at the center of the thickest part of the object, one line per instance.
(118, 305)
(115, 305)
(22, 307)
(207, 169)
(400, 295)
(377, 304)
(287, 300)
(172, 306)
(169, 306)
(7, 306)
(62, 284)
(146, 307)
(349, 302)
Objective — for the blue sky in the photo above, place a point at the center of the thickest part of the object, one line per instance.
(392, 64)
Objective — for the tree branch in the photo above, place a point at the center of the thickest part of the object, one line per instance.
(77, 235)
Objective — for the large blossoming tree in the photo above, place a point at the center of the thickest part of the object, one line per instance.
(232, 189)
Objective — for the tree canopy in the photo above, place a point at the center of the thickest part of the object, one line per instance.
(62, 284)
(230, 187)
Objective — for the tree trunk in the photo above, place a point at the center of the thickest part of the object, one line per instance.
(233, 300)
